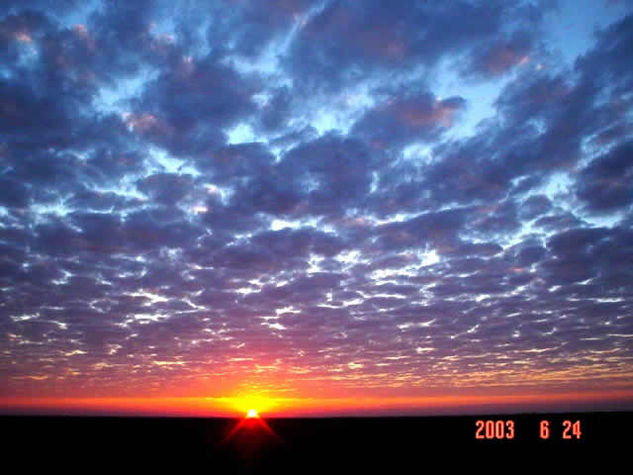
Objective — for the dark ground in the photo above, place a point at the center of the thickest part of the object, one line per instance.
(397, 444)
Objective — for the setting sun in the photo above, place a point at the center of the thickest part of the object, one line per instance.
(251, 414)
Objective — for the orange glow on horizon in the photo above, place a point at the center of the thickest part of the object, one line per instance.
(250, 404)
(235, 407)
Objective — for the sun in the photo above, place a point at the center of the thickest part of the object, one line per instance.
(252, 414)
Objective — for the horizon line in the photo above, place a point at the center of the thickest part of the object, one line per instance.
(285, 407)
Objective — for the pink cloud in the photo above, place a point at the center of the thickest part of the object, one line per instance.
(145, 123)
(23, 37)
(424, 115)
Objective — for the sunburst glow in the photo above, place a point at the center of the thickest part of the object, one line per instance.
(251, 404)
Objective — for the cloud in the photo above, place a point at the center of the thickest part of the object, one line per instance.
(284, 200)
(605, 184)
(406, 119)
(343, 39)
(502, 54)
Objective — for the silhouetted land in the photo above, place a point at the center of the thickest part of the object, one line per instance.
(190, 445)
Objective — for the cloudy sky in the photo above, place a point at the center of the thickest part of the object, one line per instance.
(316, 200)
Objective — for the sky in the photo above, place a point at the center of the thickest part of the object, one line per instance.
(315, 206)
